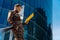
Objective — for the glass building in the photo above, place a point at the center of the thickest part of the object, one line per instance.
(40, 25)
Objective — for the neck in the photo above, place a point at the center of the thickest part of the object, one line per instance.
(16, 11)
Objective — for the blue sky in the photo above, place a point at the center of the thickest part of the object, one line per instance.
(56, 19)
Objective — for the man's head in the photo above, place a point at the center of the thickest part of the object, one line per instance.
(17, 7)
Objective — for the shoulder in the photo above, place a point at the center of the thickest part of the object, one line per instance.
(10, 11)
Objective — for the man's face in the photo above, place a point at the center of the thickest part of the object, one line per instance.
(18, 8)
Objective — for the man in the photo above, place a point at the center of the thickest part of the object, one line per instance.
(15, 20)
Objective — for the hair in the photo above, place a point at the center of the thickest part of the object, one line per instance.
(17, 5)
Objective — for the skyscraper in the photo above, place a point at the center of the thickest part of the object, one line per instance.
(37, 28)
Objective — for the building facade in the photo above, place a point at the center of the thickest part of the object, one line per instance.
(37, 28)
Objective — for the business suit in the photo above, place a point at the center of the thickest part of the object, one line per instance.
(17, 25)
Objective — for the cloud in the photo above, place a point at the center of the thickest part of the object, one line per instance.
(56, 20)
(56, 34)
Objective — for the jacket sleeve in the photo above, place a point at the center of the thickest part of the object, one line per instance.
(7, 29)
(9, 18)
